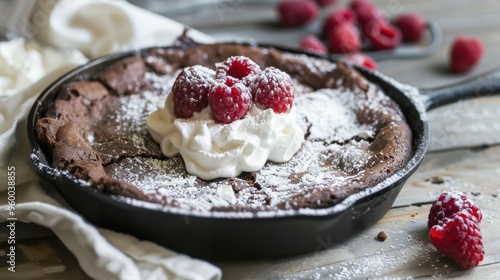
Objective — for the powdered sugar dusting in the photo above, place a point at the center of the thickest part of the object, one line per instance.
(135, 108)
(336, 152)
(150, 173)
(392, 260)
(118, 133)
(317, 67)
(337, 121)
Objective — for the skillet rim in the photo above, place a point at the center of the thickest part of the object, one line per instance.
(402, 94)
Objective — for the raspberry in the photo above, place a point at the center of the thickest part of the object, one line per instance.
(190, 90)
(312, 43)
(412, 26)
(449, 203)
(274, 89)
(362, 59)
(323, 3)
(229, 100)
(367, 13)
(344, 39)
(359, 6)
(238, 67)
(297, 12)
(465, 53)
(459, 239)
(340, 16)
(383, 36)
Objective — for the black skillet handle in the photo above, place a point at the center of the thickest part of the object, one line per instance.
(482, 85)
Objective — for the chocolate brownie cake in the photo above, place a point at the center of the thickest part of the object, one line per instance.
(355, 136)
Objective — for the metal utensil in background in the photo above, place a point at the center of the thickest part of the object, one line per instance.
(15, 19)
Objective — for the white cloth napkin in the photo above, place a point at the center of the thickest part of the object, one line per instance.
(100, 27)
(96, 28)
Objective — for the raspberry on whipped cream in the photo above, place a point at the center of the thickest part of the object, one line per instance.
(214, 149)
(229, 100)
(191, 89)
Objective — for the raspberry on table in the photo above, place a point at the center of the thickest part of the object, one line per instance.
(459, 239)
(449, 203)
(383, 36)
(344, 38)
(466, 52)
(362, 59)
(238, 67)
(190, 90)
(412, 26)
(273, 89)
(294, 13)
(312, 43)
(337, 17)
(229, 100)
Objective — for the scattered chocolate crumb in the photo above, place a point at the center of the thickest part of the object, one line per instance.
(252, 176)
(476, 193)
(268, 200)
(381, 236)
(436, 180)
(237, 185)
(494, 195)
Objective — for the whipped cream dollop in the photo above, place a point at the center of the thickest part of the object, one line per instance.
(211, 150)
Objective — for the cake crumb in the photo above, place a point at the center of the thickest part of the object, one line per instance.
(437, 180)
(381, 236)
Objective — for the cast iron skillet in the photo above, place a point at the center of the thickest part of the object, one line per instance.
(238, 236)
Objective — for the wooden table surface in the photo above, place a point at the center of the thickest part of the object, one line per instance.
(459, 158)
(464, 155)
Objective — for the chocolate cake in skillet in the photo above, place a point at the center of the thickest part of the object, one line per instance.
(353, 136)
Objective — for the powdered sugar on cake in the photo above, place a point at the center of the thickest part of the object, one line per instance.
(353, 138)
(337, 121)
(336, 151)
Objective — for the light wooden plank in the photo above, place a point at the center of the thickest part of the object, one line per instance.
(406, 253)
(471, 171)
